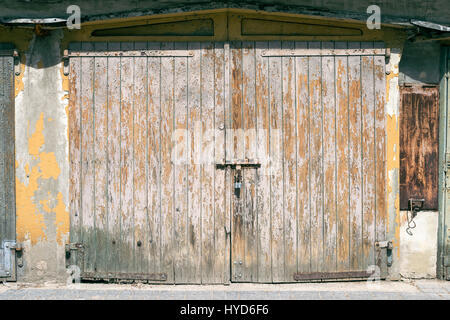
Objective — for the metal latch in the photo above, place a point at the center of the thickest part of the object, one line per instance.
(384, 259)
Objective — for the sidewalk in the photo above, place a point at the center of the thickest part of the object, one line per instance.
(402, 290)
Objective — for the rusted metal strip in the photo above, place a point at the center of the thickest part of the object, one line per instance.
(323, 52)
(133, 53)
(124, 276)
(331, 275)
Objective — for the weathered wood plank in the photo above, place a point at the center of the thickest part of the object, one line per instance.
(354, 83)
(249, 141)
(75, 150)
(4, 104)
(303, 164)
(380, 146)
(329, 160)
(195, 152)
(87, 159)
(168, 251)
(208, 165)
(316, 160)
(220, 264)
(264, 244)
(113, 163)
(236, 152)
(368, 155)
(290, 163)
(276, 154)
(228, 143)
(7, 139)
(179, 156)
(154, 160)
(139, 161)
(237, 149)
(419, 147)
(127, 244)
(100, 158)
(342, 161)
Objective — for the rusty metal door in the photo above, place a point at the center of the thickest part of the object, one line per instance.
(309, 120)
(7, 183)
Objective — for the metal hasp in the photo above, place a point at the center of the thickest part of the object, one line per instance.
(7, 258)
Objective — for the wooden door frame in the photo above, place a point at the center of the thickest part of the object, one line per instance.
(444, 211)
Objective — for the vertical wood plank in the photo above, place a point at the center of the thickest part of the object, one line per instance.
(342, 160)
(249, 141)
(8, 137)
(140, 159)
(87, 158)
(113, 163)
(237, 149)
(154, 160)
(220, 265)
(167, 175)
(276, 154)
(195, 152)
(290, 163)
(303, 164)
(380, 146)
(100, 156)
(4, 103)
(316, 159)
(179, 156)
(354, 78)
(329, 160)
(264, 244)
(208, 166)
(75, 148)
(228, 143)
(368, 155)
(237, 153)
(127, 244)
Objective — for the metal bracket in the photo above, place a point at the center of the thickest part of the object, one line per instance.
(8, 264)
(16, 57)
(239, 163)
(66, 62)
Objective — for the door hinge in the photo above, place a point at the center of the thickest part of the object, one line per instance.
(7, 268)
(66, 62)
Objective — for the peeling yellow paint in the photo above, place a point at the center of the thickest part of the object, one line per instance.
(36, 141)
(30, 216)
(62, 221)
(30, 222)
(49, 166)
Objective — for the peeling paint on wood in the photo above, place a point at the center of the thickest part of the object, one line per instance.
(315, 124)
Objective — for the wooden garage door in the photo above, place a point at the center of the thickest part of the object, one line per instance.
(243, 161)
